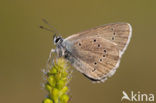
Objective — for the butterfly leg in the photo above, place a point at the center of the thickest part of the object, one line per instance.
(51, 52)
(50, 60)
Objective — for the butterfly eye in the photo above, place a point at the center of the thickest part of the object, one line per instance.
(95, 63)
(57, 40)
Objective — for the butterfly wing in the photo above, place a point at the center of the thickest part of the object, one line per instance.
(95, 57)
(119, 33)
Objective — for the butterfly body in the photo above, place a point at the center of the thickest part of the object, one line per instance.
(96, 52)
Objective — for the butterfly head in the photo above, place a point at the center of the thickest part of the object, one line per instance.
(57, 40)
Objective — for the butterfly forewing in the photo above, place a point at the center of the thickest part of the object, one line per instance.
(119, 33)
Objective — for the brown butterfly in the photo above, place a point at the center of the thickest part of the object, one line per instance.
(95, 52)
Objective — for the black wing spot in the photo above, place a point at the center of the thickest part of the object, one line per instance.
(105, 50)
(95, 63)
(79, 44)
(113, 38)
(104, 55)
(98, 45)
(100, 60)
(94, 40)
(114, 33)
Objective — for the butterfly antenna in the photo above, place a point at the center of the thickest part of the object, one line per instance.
(42, 27)
(46, 22)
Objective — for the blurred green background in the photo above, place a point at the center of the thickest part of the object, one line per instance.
(24, 48)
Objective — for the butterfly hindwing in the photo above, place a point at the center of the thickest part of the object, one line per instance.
(94, 56)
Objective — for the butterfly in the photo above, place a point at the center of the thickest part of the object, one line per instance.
(95, 52)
